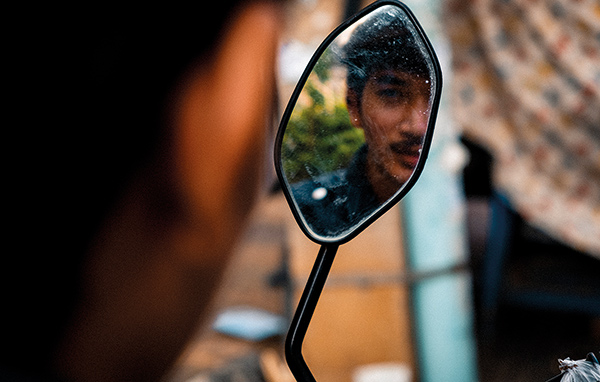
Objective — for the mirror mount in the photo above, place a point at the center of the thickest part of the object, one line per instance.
(304, 312)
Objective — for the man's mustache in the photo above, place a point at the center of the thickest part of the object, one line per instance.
(409, 144)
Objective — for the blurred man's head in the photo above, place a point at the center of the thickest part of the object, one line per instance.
(136, 135)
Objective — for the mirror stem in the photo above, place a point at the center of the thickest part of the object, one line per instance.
(304, 312)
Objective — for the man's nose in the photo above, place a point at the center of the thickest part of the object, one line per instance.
(418, 116)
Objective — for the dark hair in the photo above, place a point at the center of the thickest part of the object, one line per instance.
(383, 43)
(87, 88)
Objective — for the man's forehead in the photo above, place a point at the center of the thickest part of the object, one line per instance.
(395, 77)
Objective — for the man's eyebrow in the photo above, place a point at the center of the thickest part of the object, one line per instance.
(389, 79)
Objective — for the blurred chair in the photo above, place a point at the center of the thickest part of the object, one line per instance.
(523, 267)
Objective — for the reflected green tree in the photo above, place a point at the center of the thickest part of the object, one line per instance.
(318, 139)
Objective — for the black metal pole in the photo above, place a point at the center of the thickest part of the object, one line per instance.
(304, 312)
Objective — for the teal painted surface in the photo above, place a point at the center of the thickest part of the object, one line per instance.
(442, 308)
(435, 231)
(444, 329)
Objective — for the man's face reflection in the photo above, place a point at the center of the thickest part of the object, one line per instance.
(393, 111)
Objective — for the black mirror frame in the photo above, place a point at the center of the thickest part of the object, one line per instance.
(426, 144)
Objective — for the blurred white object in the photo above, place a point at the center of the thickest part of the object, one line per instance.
(250, 323)
(454, 157)
(385, 372)
(583, 370)
(293, 58)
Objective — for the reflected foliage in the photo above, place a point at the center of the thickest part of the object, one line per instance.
(318, 139)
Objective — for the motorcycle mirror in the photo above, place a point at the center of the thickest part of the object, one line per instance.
(357, 129)
(354, 138)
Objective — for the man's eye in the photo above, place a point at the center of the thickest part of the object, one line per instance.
(390, 94)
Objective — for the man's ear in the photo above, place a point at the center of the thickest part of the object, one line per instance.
(221, 118)
(353, 103)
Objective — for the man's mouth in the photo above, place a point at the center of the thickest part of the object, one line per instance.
(408, 153)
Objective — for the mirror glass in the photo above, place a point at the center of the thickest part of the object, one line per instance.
(354, 132)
